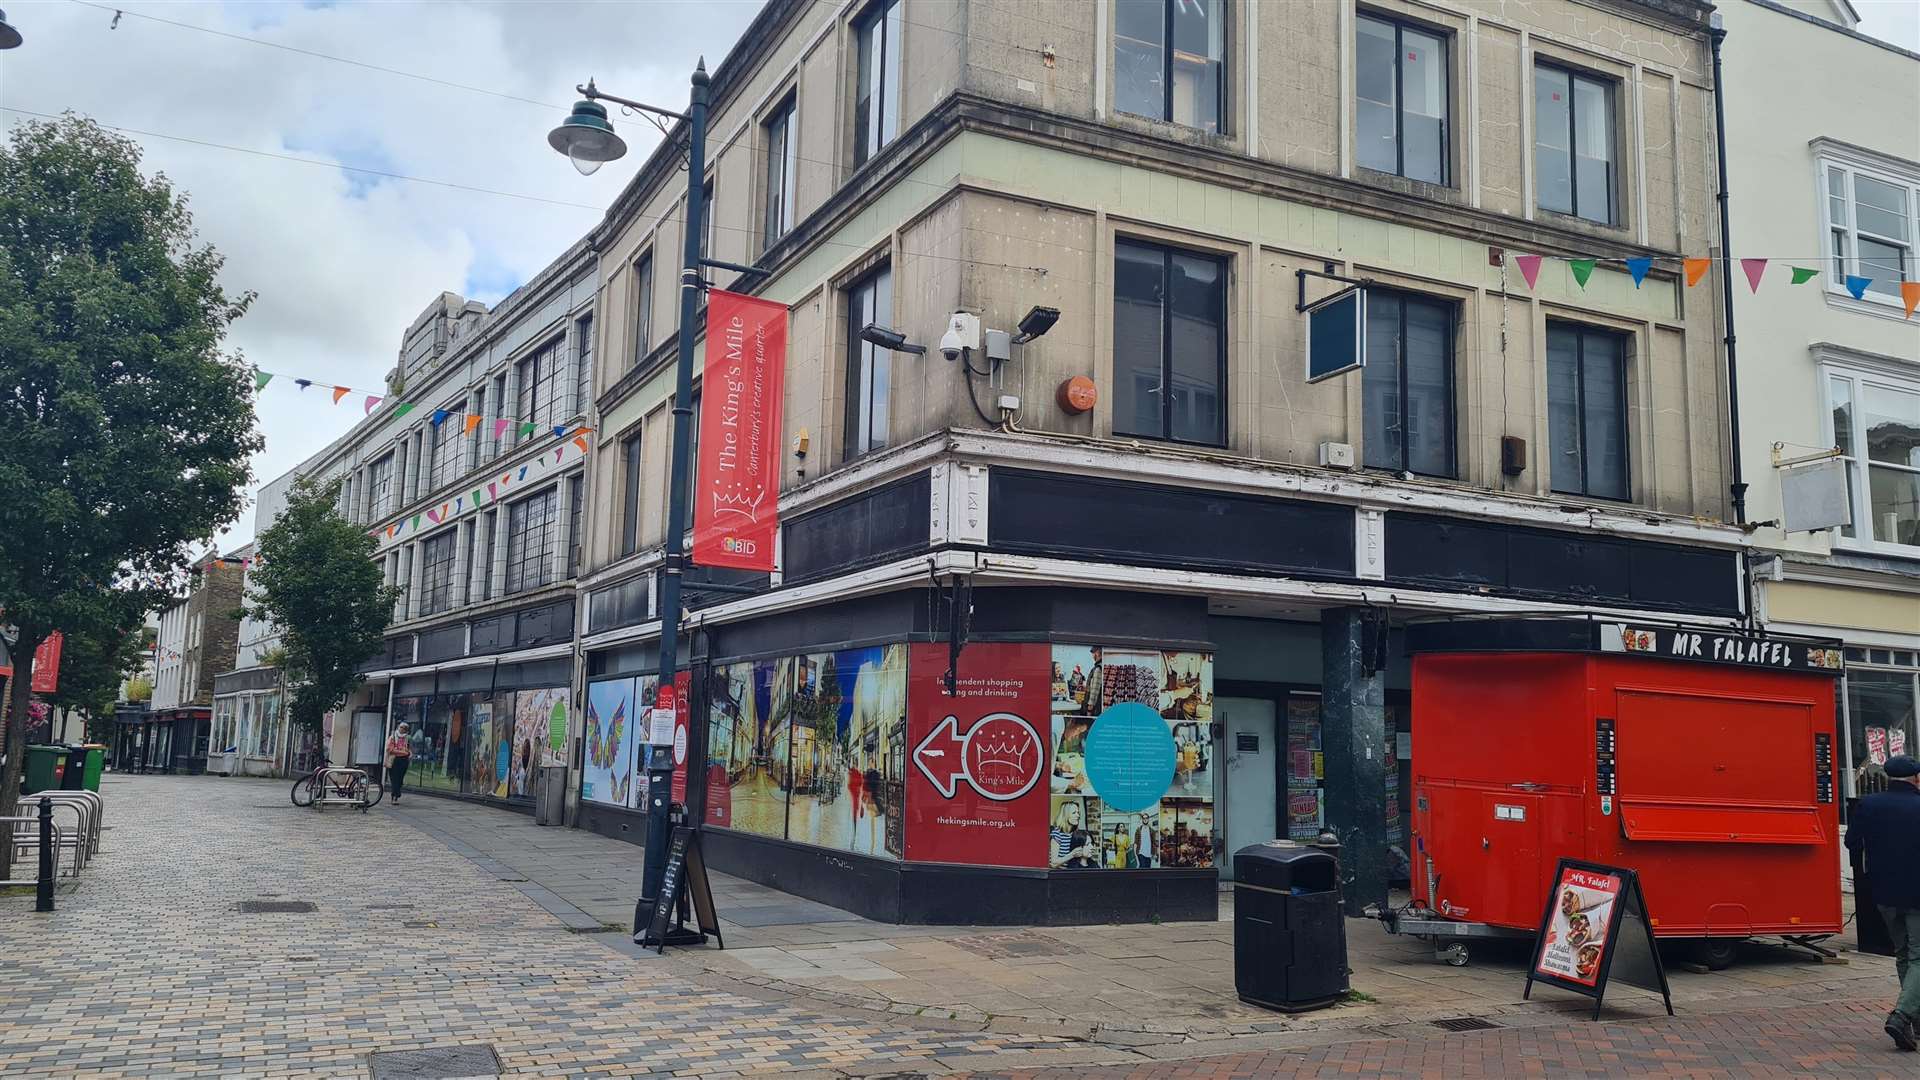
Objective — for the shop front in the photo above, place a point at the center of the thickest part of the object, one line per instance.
(481, 731)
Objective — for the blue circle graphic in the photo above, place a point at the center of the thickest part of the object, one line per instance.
(1130, 757)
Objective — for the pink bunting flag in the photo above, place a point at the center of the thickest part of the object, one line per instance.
(433, 516)
(371, 402)
(500, 427)
(556, 454)
(1529, 268)
(490, 490)
(1754, 268)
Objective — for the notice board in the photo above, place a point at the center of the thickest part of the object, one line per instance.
(1595, 929)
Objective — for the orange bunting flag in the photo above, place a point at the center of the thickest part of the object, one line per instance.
(582, 443)
(1696, 269)
(473, 421)
(340, 392)
(1910, 292)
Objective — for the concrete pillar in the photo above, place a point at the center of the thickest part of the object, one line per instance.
(462, 542)
(416, 568)
(563, 532)
(400, 578)
(1353, 734)
(499, 560)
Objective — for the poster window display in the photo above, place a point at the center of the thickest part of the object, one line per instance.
(535, 714)
(480, 741)
(974, 790)
(607, 772)
(746, 790)
(503, 733)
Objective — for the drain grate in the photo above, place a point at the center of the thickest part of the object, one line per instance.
(421, 924)
(389, 907)
(1465, 1023)
(273, 907)
(436, 1063)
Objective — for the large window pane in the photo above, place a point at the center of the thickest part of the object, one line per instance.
(642, 308)
(781, 151)
(1198, 62)
(1885, 264)
(869, 367)
(877, 81)
(1552, 145)
(1603, 398)
(1139, 334)
(1139, 57)
(436, 573)
(1894, 495)
(1199, 313)
(1840, 398)
(1380, 384)
(1880, 208)
(630, 494)
(1892, 425)
(1376, 74)
(1563, 408)
(1169, 350)
(529, 542)
(1423, 99)
(1880, 715)
(1429, 389)
(1593, 150)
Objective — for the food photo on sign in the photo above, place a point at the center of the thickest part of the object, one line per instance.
(1576, 934)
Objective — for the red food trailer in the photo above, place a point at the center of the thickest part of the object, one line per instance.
(1702, 758)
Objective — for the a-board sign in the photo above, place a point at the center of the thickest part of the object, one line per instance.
(686, 875)
(1595, 929)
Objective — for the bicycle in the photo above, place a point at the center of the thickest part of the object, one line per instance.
(351, 785)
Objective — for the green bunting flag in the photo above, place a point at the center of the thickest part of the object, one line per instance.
(1582, 270)
(402, 409)
(1802, 275)
(261, 379)
(526, 429)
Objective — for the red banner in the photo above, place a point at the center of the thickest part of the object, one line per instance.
(737, 481)
(46, 664)
(977, 761)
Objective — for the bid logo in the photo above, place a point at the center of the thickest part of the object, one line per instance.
(737, 546)
(1001, 756)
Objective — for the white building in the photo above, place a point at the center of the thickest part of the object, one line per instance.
(1828, 180)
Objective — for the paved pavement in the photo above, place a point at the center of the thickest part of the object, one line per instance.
(441, 924)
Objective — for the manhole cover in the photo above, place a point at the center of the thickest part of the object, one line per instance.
(1465, 1023)
(273, 907)
(436, 1063)
(1008, 945)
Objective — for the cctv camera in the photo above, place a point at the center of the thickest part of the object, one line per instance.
(952, 344)
(963, 333)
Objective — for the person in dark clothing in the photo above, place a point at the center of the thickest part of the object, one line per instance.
(1884, 837)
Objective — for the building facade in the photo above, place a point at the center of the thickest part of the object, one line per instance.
(1149, 507)
(475, 495)
(197, 638)
(1830, 381)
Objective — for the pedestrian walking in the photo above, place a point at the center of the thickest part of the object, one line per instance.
(1884, 837)
(399, 754)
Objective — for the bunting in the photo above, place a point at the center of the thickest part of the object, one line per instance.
(340, 392)
(1802, 275)
(470, 422)
(1582, 270)
(1754, 268)
(1910, 292)
(1638, 268)
(1695, 271)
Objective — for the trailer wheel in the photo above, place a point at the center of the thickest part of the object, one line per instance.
(1454, 954)
(1718, 954)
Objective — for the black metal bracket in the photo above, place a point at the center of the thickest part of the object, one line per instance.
(1301, 275)
(715, 586)
(738, 268)
(959, 623)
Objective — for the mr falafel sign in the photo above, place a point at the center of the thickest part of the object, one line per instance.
(1713, 647)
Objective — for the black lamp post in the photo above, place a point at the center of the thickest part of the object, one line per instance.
(588, 140)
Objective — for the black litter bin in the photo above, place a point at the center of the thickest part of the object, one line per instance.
(74, 779)
(1289, 939)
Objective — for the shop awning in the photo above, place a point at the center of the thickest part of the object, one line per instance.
(1721, 824)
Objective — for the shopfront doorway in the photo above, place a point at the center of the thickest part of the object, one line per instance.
(1249, 789)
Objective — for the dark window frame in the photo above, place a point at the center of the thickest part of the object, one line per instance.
(576, 507)
(535, 400)
(873, 107)
(1445, 38)
(857, 435)
(446, 459)
(1608, 86)
(1167, 253)
(782, 201)
(528, 568)
(642, 306)
(583, 362)
(1224, 81)
(437, 558)
(1401, 395)
(1581, 332)
(631, 450)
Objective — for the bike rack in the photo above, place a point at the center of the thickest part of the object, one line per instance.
(332, 779)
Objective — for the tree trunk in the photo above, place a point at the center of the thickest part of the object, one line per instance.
(20, 691)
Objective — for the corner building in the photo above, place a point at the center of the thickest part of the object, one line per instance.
(1167, 572)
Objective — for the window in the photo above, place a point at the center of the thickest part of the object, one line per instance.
(1587, 411)
(445, 462)
(1573, 144)
(539, 385)
(529, 542)
(876, 105)
(575, 542)
(630, 494)
(1401, 83)
(783, 159)
(1870, 225)
(1182, 82)
(642, 308)
(1406, 388)
(488, 523)
(869, 367)
(1876, 425)
(706, 220)
(583, 362)
(1169, 343)
(477, 456)
(436, 572)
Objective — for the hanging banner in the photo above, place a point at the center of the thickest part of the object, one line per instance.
(737, 479)
(977, 761)
(46, 663)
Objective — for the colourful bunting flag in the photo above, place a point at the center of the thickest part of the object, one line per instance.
(1754, 268)
(473, 421)
(433, 515)
(476, 496)
(1638, 268)
(261, 379)
(402, 409)
(559, 432)
(559, 450)
(1696, 269)
(1857, 285)
(416, 523)
(1529, 268)
(1910, 292)
(440, 417)
(1802, 275)
(526, 429)
(492, 491)
(444, 507)
(500, 427)
(340, 392)
(459, 503)
(371, 402)
(1582, 270)
(303, 383)
(582, 443)
(523, 472)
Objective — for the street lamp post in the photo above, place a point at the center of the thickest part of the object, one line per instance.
(588, 140)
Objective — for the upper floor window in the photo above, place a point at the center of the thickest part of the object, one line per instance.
(1169, 60)
(869, 367)
(484, 542)
(380, 487)
(642, 308)
(876, 102)
(783, 159)
(539, 389)
(1573, 146)
(576, 505)
(530, 528)
(583, 361)
(500, 410)
(706, 219)
(1870, 225)
(1169, 343)
(630, 494)
(1400, 75)
(1876, 425)
(436, 572)
(1406, 389)
(1587, 411)
(445, 462)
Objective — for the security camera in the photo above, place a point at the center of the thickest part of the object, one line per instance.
(963, 333)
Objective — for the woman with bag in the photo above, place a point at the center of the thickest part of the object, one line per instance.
(399, 753)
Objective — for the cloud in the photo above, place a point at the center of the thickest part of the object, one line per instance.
(342, 262)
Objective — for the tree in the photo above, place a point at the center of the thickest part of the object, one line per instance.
(92, 666)
(125, 424)
(315, 580)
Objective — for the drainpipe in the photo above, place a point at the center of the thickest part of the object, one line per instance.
(1717, 34)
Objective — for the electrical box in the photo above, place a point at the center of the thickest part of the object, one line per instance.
(1336, 455)
(1010, 402)
(999, 346)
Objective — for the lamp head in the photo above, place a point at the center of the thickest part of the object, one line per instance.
(1036, 322)
(9, 37)
(882, 336)
(587, 138)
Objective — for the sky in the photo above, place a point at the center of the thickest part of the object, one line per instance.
(343, 262)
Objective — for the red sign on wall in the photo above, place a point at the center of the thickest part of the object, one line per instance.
(977, 761)
(46, 664)
(737, 483)
(683, 693)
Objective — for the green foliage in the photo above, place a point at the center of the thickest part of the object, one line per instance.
(93, 665)
(316, 581)
(125, 425)
(139, 688)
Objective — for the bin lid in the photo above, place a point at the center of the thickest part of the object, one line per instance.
(1281, 851)
(1285, 865)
